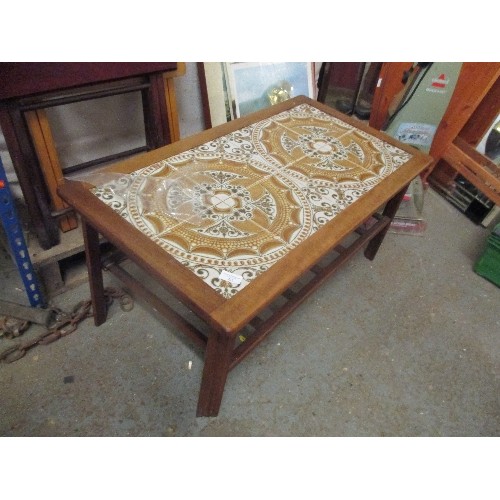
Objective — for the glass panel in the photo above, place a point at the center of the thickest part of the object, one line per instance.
(89, 130)
(349, 87)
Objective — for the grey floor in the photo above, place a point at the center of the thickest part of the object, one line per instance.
(406, 345)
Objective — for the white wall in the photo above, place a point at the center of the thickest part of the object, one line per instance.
(189, 106)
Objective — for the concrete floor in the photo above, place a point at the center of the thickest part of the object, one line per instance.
(406, 345)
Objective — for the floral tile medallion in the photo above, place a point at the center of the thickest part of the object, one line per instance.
(241, 202)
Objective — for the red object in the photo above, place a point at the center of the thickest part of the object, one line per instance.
(440, 82)
(2, 184)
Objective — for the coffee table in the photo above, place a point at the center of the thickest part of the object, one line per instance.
(266, 208)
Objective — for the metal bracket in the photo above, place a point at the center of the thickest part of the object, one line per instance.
(15, 237)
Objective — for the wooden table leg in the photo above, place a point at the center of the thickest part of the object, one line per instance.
(218, 356)
(390, 211)
(93, 258)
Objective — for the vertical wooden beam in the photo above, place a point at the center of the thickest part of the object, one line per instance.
(218, 356)
(160, 108)
(202, 77)
(390, 84)
(390, 210)
(43, 143)
(155, 113)
(483, 116)
(28, 173)
(173, 117)
(171, 101)
(93, 259)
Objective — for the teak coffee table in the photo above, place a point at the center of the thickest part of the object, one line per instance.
(272, 196)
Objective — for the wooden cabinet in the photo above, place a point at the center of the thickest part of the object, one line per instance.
(28, 89)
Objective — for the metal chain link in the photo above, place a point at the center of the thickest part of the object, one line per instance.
(12, 327)
(62, 325)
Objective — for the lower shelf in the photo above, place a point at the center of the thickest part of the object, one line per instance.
(468, 199)
(264, 321)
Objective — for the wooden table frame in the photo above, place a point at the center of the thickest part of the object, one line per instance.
(227, 317)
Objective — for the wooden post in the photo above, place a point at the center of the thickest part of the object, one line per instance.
(93, 259)
(389, 211)
(29, 176)
(48, 158)
(218, 356)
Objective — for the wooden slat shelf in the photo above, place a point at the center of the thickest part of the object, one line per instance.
(475, 167)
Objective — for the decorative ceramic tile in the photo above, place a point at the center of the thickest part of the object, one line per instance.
(241, 202)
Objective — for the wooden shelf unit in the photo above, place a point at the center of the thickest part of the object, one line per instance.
(473, 107)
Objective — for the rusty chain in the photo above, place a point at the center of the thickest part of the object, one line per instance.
(12, 327)
(62, 325)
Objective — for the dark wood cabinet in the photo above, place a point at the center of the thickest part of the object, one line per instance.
(27, 89)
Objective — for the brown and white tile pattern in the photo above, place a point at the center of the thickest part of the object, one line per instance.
(253, 195)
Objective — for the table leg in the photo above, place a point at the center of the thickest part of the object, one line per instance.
(93, 258)
(390, 210)
(218, 356)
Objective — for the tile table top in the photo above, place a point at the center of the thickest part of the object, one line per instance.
(251, 196)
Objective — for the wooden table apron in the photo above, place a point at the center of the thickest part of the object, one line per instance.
(227, 317)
